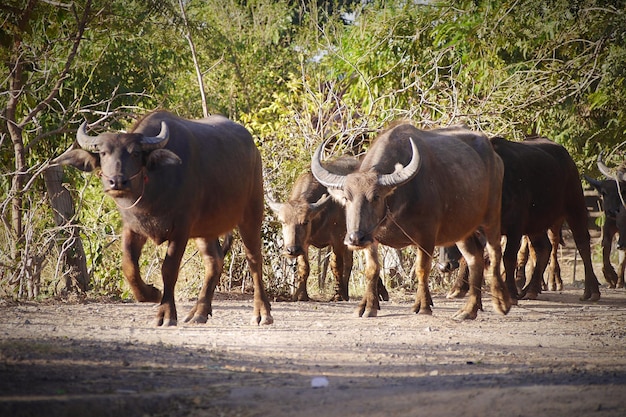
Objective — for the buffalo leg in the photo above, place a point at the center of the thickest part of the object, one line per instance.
(541, 246)
(166, 315)
(369, 305)
(250, 232)
(578, 226)
(383, 294)
(423, 262)
(460, 287)
(500, 296)
(555, 283)
(473, 254)
(513, 241)
(213, 258)
(304, 269)
(132, 244)
(620, 267)
(338, 262)
(523, 256)
(608, 233)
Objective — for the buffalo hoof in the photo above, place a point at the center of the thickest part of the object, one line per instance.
(383, 295)
(149, 294)
(339, 297)
(166, 322)
(501, 306)
(456, 293)
(531, 295)
(464, 315)
(262, 320)
(418, 309)
(590, 297)
(366, 312)
(196, 319)
(301, 297)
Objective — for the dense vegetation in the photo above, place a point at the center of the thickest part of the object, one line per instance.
(295, 73)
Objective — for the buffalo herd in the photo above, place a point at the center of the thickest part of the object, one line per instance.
(174, 179)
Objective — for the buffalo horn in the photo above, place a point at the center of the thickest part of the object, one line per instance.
(156, 142)
(319, 203)
(88, 143)
(325, 177)
(604, 169)
(620, 175)
(403, 175)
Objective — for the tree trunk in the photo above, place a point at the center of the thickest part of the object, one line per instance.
(71, 245)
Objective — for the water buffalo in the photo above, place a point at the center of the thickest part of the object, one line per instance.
(311, 217)
(424, 188)
(174, 179)
(613, 194)
(541, 189)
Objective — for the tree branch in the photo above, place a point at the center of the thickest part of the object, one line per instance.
(65, 73)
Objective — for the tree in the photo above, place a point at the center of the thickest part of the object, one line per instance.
(27, 99)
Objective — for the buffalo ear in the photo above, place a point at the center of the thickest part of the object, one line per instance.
(162, 157)
(78, 158)
(275, 206)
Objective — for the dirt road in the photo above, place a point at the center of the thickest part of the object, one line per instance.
(554, 356)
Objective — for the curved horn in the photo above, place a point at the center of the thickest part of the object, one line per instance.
(319, 203)
(604, 169)
(325, 177)
(149, 143)
(404, 174)
(88, 143)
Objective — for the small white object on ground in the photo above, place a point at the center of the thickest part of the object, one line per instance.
(319, 382)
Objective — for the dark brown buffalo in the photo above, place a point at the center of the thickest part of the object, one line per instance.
(541, 190)
(174, 179)
(424, 188)
(613, 194)
(311, 218)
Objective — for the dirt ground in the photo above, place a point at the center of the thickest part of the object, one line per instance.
(555, 356)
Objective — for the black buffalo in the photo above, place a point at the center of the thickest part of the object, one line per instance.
(613, 194)
(541, 190)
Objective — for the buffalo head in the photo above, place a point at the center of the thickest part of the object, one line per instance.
(363, 193)
(613, 193)
(121, 157)
(296, 218)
